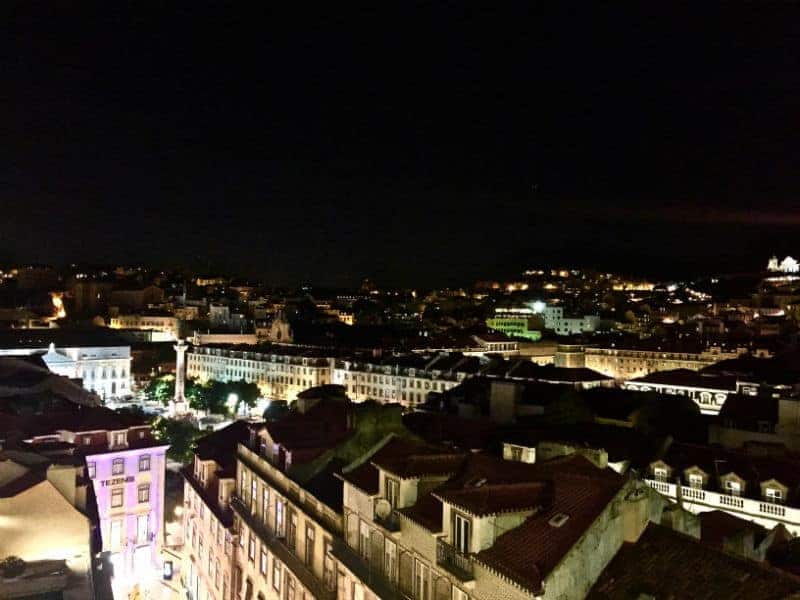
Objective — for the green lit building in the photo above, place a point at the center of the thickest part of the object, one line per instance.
(515, 326)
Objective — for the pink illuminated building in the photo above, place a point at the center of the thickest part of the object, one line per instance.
(126, 466)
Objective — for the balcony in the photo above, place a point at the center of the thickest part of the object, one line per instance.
(390, 522)
(762, 511)
(457, 563)
(277, 545)
(368, 574)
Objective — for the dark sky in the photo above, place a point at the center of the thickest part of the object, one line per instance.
(426, 145)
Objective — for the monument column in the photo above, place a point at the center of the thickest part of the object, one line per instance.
(178, 404)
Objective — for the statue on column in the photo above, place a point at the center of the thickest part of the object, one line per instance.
(178, 405)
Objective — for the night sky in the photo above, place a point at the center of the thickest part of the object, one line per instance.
(433, 145)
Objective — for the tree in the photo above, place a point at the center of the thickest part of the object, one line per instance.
(180, 435)
(161, 389)
(246, 393)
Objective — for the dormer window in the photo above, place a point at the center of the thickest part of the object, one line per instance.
(119, 438)
(660, 474)
(696, 481)
(773, 495)
(733, 488)
(462, 533)
(392, 491)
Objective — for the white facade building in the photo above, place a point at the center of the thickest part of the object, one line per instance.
(103, 364)
(555, 319)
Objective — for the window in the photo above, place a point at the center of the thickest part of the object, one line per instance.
(116, 498)
(310, 533)
(118, 466)
(263, 563)
(392, 491)
(144, 462)
(390, 560)
(92, 468)
(264, 504)
(421, 576)
(251, 548)
(253, 495)
(773, 495)
(87, 440)
(733, 488)
(328, 574)
(516, 453)
(696, 481)
(461, 533)
(119, 439)
(143, 528)
(280, 525)
(660, 474)
(276, 575)
(291, 532)
(216, 575)
(144, 493)
(116, 534)
(363, 544)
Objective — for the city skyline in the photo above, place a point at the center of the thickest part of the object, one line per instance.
(414, 147)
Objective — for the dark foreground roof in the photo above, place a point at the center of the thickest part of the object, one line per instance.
(670, 565)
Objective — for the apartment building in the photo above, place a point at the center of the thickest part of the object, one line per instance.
(751, 485)
(287, 507)
(432, 524)
(209, 537)
(167, 325)
(406, 380)
(628, 363)
(281, 372)
(708, 391)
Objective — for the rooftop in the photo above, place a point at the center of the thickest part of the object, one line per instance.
(667, 564)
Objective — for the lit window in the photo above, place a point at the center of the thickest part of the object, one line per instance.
(263, 562)
(696, 481)
(144, 493)
(144, 462)
(118, 466)
(92, 468)
(774, 495)
(276, 575)
(116, 497)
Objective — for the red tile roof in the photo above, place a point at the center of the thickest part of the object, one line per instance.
(671, 565)
(581, 492)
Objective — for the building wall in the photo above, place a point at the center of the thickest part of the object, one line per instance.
(39, 524)
(280, 377)
(128, 546)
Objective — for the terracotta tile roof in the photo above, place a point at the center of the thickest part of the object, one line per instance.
(581, 492)
(427, 512)
(716, 526)
(220, 446)
(689, 378)
(481, 500)
(365, 477)
(670, 565)
(409, 459)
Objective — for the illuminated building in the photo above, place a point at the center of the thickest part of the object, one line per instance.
(281, 372)
(627, 363)
(405, 380)
(429, 522)
(753, 487)
(209, 539)
(787, 265)
(555, 319)
(100, 359)
(167, 325)
(520, 326)
(43, 521)
(126, 466)
(708, 391)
